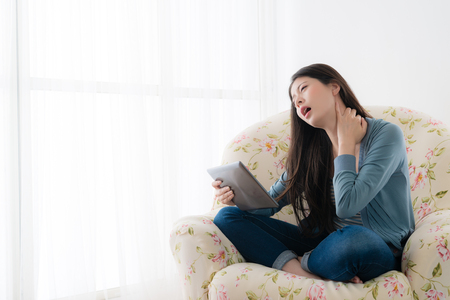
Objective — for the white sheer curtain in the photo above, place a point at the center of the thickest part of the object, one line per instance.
(9, 166)
(122, 105)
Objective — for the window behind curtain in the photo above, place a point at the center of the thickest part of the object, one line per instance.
(123, 106)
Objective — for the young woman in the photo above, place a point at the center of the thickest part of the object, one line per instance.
(350, 169)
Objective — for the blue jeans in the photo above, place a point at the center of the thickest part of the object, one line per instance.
(339, 256)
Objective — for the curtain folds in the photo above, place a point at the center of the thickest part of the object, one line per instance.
(9, 156)
(110, 112)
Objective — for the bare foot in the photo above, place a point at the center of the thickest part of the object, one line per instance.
(294, 266)
(356, 279)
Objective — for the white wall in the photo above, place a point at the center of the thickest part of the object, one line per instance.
(390, 52)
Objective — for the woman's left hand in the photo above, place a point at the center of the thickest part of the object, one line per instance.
(351, 129)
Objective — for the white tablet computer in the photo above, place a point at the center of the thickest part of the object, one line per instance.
(248, 192)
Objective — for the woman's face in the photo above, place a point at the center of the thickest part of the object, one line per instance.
(314, 101)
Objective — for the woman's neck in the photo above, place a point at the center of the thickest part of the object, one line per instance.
(332, 134)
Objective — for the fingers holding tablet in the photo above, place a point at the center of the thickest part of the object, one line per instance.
(224, 194)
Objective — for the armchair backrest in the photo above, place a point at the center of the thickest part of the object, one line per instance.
(263, 147)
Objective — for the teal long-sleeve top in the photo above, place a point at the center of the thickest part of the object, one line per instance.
(380, 190)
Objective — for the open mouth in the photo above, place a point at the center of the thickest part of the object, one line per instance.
(305, 110)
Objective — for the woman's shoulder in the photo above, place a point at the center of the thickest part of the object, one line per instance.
(377, 123)
(383, 128)
(384, 136)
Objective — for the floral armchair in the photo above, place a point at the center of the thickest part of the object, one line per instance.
(212, 268)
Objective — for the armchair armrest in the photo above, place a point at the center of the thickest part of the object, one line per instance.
(200, 250)
(426, 257)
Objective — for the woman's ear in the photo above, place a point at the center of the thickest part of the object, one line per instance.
(335, 88)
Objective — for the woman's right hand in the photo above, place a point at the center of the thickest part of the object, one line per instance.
(224, 194)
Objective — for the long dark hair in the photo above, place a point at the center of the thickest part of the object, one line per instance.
(310, 158)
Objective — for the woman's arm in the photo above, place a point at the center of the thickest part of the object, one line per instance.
(353, 191)
(276, 189)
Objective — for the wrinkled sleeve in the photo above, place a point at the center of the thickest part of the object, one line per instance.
(353, 191)
(276, 189)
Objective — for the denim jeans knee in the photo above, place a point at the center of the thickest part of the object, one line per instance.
(223, 216)
(349, 252)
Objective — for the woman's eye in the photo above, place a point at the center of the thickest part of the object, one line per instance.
(304, 87)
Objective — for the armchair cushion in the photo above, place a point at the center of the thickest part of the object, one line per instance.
(253, 281)
(426, 257)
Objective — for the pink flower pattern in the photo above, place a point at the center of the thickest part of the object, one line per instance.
(236, 283)
(412, 170)
(408, 274)
(316, 291)
(222, 293)
(263, 126)
(430, 154)
(290, 275)
(183, 229)
(434, 122)
(233, 249)
(424, 210)
(408, 111)
(442, 249)
(394, 286)
(221, 257)
(206, 221)
(435, 294)
(240, 138)
(216, 239)
(435, 229)
(279, 164)
(420, 179)
(268, 145)
(189, 264)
